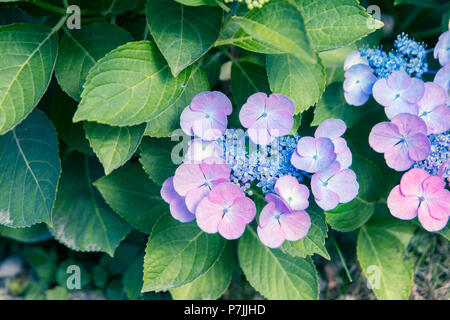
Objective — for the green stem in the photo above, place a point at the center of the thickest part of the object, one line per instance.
(341, 257)
(49, 7)
(222, 5)
(66, 3)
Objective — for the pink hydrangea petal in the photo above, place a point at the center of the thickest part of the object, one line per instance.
(259, 132)
(382, 93)
(414, 92)
(400, 106)
(419, 147)
(280, 205)
(434, 96)
(428, 222)
(399, 81)
(439, 204)
(442, 78)
(187, 120)
(345, 158)
(211, 101)
(225, 194)
(187, 177)
(180, 212)
(303, 163)
(252, 109)
(326, 199)
(295, 225)
(331, 128)
(208, 215)
(437, 120)
(401, 206)
(279, 103)
(409, 124)
(356, 97)
(213, 169)
(344, 184)
(280, 123)
(293, 193)
(244, 208)
(398, 158)
(271, 235)
(194, 197)
(325, 152)
(306, 147)
(211, 128)
(411, 182)
(432, 185)
(231, 227)
(168, 192)
(384, 136)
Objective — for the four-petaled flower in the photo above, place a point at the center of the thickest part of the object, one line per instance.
(359, 80)
(225, 210)
(177, 203)
(422, 195)
(333, 186)
(195, 181)
(313, 154)
(433, 109)
(399, 93)
(206, 116)
(284, 217)
(353, 59)
(267, 118)
(403, 141)
(442, 49)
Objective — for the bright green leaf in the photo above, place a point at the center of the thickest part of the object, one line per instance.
(276, 275)
(29, 172)
(27, 58)
(36, 233)
(95, 226)
(182, 33)
(178, 253)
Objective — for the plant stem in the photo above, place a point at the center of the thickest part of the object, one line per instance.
(341, 257)
(49, 7)
(222, 5)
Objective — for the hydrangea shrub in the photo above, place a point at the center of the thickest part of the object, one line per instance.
(217, 130)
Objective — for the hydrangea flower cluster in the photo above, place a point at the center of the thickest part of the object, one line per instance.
(221, 168)
(251, 4)
(417, 133)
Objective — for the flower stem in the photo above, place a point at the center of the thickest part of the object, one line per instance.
(341, 257)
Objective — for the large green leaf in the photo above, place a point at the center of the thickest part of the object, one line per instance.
(81, 49)
(247, 78)
(333, 105)
(314, 242)
(113, 145)
(130, 85)
(27, 58)
(132, 278)
(131, 194)
(333, 24)
(169, 119)
(277, 27)
(36, 233)
(178, 253)
(182, 33)
(350, 216)
(81, 218)
(198, 2)
(276, 275)
(213, 283)
(156, 158)
(381, 251)
(116, 6)
(29, 172)
(300, 80)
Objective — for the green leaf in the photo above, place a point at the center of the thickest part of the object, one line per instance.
(156, 158)
(130, 85)
(27, 58)
(445, 233)
(113, 146)
(333, 105)
(178, 253)
(381, 251)
(421, 3)
(79, 51)
(169, 119)
(198, 2)
(274, 274)
(277, 27)
(213, 283)
(300, 80)
(36, 233)
(95, 226)
(116, 7)
(183, 33)
(333, 24)
(247, 78)
(132, 278)
(29, 172)
(314, 242)
(131, 194)
(350, 216)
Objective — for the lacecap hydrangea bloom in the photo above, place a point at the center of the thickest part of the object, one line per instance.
(223, 167)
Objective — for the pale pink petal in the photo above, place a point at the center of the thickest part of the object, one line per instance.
(331, 128)
(293, 193)
(414, 92)
(437, 120)
(225, 194)
(168, 192)
(295, 225)
(306, 164)
(432, 185)
(279, 103)
(306, 147)
(328, 199)
(252, 109)
(411, 182)
(194, 197)
(344, 184)
(398, 158)
(409, 124)
(434, 96)
(399, 81)
(212, 170)
(259, 132)
(271, 235)
(382, 93)
(356, 97)
(400, 106)
(187, 120)
(244, 208)
(280, 205)
(231, 227)
(439, 204)
(208, 215)
(210, 127)
(345, 158)
(280, 123)
(212, 101)
(187, 177)
(428, 222)
(419, 147)
(384, 136)
(401, 206)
